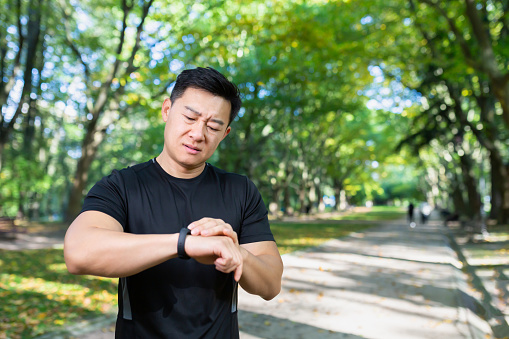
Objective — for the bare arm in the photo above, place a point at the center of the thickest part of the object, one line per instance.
(262, 267)
(96, 244)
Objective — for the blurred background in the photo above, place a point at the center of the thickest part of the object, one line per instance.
(346, 103)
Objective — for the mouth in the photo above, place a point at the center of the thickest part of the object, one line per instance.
(192, 149)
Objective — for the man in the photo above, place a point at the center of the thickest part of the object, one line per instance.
(142, 223)
(411, 215)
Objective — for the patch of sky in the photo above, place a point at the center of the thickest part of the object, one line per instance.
(12, 101)
(12, 30)
(407, 21)
(176, 65)
(377, 73)
(393, 97)
(366, 20)
(263, 93)
(188, 39)
(194, 15)
(152, 27)
(10, 55)
(13, 46)
(74, 153)
(170, 88)
(110, 129)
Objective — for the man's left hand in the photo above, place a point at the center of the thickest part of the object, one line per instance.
(213, 227)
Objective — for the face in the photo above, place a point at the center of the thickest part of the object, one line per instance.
(195, 125)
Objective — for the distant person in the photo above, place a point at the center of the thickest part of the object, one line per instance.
(180, 233)
(411, 208)
(425, 211)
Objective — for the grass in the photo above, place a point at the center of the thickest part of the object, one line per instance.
(38, 295)
(377, 213)
(291, 237)
(495, 245)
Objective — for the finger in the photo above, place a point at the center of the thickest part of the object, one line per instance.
(217, 230)
(238, 273)
(197, 223)
(229, 232)
(198, 227)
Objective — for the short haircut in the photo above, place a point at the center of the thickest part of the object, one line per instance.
(210, 80)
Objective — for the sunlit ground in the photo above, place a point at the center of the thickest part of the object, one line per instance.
(39, 295)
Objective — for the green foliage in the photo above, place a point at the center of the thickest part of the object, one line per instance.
(305, 73)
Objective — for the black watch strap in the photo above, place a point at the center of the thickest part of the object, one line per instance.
(181, 250)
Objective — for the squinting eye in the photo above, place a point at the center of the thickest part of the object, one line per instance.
(189, 118)
(214, 129)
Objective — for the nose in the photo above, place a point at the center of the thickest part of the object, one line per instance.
(197, 132)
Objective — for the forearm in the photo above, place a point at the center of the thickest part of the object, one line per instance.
(110, 253)
(261, 275)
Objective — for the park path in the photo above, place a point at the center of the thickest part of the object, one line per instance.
(391, 281)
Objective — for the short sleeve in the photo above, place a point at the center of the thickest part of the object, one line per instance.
(255, 225)
(108, 196)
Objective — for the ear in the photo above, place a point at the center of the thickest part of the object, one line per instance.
(165, 110)
(228, 130)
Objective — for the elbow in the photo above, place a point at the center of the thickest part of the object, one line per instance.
(74, 258)
(273, 290)
(271, 294)
(73, 263)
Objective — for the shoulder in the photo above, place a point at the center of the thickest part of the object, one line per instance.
(138, 168)
(230, 179)
(237, 184)
(119, 178)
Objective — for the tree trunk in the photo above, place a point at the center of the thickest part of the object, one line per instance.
(474, 199)
(458, 201)
(89, 149)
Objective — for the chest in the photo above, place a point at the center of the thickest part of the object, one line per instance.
(165, 207)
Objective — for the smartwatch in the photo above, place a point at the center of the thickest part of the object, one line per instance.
(181, 250)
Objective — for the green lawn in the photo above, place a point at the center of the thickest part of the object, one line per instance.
(291, 237)
(376, 213)
(38, 295)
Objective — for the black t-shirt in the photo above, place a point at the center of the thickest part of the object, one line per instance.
(179, 298)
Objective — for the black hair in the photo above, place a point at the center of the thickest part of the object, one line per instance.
(210, 80)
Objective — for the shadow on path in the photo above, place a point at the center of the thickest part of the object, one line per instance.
(256, 325)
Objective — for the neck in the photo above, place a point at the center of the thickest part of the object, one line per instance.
(177, 170)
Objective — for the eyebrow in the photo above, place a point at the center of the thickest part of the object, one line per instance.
(217, 121)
